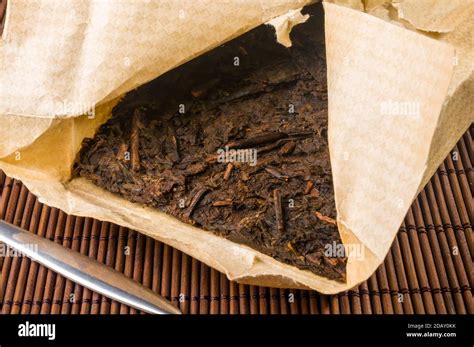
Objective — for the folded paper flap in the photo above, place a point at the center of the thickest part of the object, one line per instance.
(388, 85)
(61, 58)
(434, 16)
(12, 132)
(450, 22)
(446, 21)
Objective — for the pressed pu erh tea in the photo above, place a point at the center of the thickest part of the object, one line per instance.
(236, 145)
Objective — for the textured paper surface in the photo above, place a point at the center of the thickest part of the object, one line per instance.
(379, 158)
(454, 20)
(84, 53)
(445, 21)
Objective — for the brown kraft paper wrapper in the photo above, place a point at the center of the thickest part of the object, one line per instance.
(380, 157)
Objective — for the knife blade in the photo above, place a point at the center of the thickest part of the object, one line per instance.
(85, 271)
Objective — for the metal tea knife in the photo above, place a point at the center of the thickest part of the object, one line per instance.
(85, 270)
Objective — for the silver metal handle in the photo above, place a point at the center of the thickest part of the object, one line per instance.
(85, 270)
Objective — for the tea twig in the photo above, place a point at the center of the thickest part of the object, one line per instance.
(135, 140)
(309, 186)
(121, 151)
(174, 142)
(228, 171)
(324, 218)
(277, 174)
(256, 140)
(195, 201)
(278, 211)
(272, 146)
(267, 138)
(294, 251)
(221, 203)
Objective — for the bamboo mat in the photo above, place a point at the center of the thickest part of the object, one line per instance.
(3, 7)
(429, 268)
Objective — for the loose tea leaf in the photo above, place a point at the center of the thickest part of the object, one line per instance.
(240, 151)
